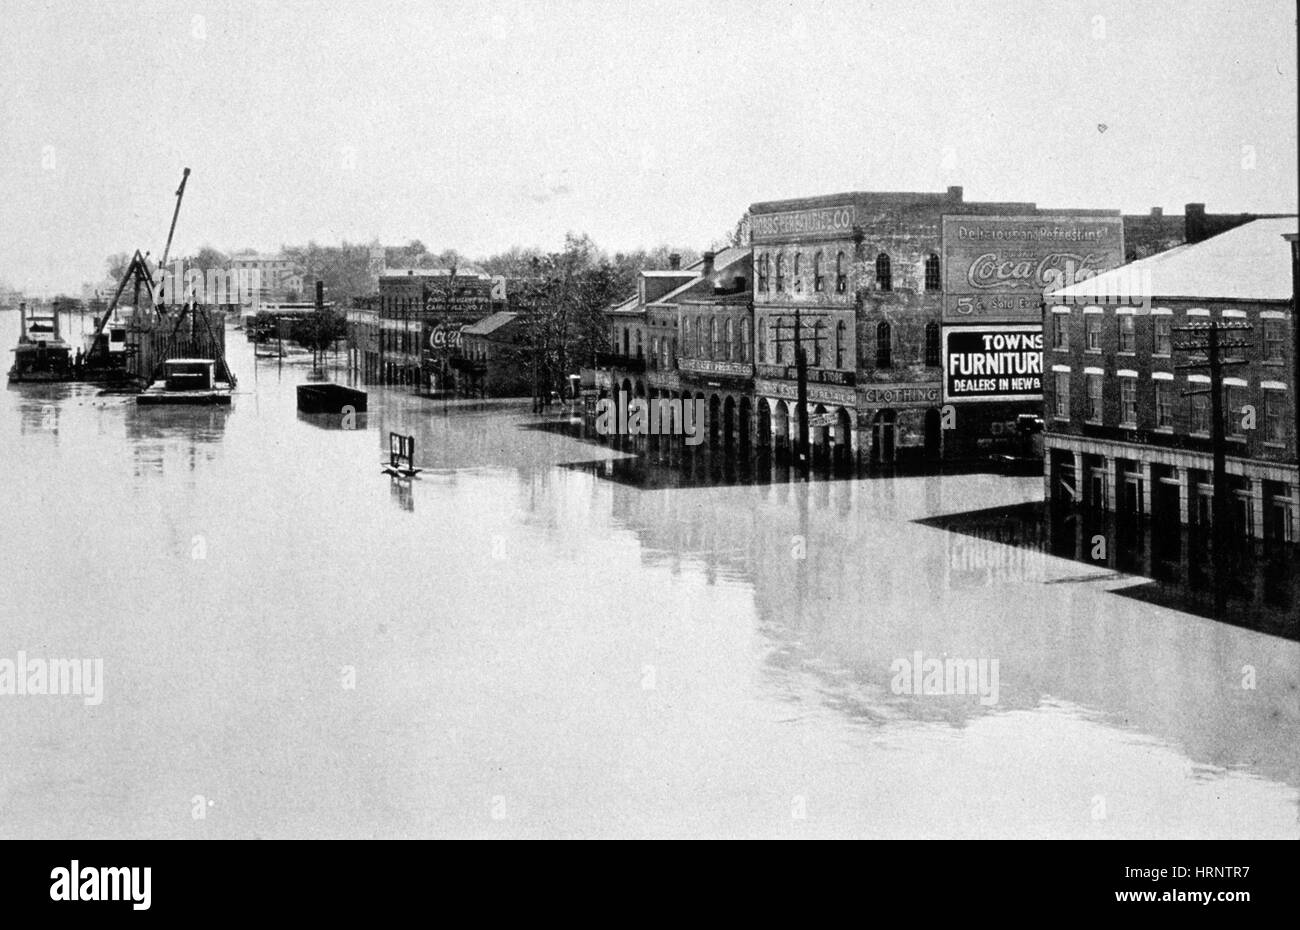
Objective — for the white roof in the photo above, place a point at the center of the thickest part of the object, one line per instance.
(1251, 262)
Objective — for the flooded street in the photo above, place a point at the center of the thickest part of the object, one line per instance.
(295, 645)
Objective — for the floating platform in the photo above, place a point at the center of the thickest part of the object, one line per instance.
(187, 381)
(327, 397)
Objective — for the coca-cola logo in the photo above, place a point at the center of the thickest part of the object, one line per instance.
(992, 271)
(444, 337)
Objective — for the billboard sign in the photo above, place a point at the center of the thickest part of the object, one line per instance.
(997, 268)
(993, 363)
(771, 227)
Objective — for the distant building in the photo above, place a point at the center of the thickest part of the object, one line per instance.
(1146, 234)
(493, 360)
(1120, 434)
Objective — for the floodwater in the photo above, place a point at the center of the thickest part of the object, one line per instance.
(519, 643)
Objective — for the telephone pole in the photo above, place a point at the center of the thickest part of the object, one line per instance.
(801, 390)
(1207, 338)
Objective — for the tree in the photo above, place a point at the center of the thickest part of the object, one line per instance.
(319, 331)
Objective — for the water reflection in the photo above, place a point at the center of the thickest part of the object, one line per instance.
(1252, 585)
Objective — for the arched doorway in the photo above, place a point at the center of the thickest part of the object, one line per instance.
(819, 437)
(933, 434)
(781, 429)
(882, 437)
(729, 422)
(715, 421)
(764, 432)
(843, 451)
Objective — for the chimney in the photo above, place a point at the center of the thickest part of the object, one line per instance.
(955, 193)
(1157, 212)
(320, 295)
(1194, 222)
(675, 261)
(708, 263)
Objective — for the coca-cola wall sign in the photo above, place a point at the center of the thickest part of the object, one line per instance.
(443, 336)
(997, 268)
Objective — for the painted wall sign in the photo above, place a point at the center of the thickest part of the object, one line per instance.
(996, 268)
(993, 363)
(916, 394)
(443, 337)
(773, 226)
(817, 393)
(815, 375)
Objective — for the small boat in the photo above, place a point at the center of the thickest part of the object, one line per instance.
(41, 354)
(188, 381)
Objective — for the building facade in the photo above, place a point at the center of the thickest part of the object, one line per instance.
(1127, 431)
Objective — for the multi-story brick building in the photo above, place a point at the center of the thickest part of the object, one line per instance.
(1123, 433)
(880, 283)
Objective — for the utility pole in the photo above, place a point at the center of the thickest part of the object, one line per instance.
(803, 453)
(1207, 339)
(1294, 239)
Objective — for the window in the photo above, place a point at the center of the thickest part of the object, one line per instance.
(819, 282)
(672, 354)
(884, 274)
(840, 333)
(1061, 332)
(841, 276)
(686, 333)
(1127, 332)
(762, 272)
(1274, 340)
(780, 346)
(1092, 332)
(638, 343)
(1094, 398)
(1163, 339)
(627, 342)
(654, 351)
(1274, 431)
(932, 350)
(1063, 395)
(798, 281)
(713, 337)
(744, 340)
(762, 341)
(728, 340)
(817, 343)
(1200, 413)
(780, 274)
(1164, 405)
(884, 345)
(932, 279)
(1234, 398)
(699, 337)
(1128, 401)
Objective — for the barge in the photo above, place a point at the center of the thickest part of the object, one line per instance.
(189, 381)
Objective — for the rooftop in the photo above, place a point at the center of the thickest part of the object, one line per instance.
(489, 324)
(1251, 262)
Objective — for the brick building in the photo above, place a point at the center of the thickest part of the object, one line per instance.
(1146, 234)
(1120, 434)
(874, 280)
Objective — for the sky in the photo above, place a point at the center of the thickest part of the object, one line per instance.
(479, 126)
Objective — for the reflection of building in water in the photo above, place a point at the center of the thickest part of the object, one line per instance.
(192, 432)
(1125, 432)
(872, 587)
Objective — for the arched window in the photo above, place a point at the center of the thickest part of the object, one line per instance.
(654, 351)
(884, 345)
(762, 341)
(932, 350)
(627, 342)
(762, 271)
(780, 274)
(884, 276)
(840, 332)
(672, 354)
(744, 340)
(817, 344)
(798, 281)
(699, 337)
(638, 343)
(713, 337)
(932, 280)
(780, 346)
(819, 282)
(727, 338)
(686, 333)
(841, 277)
